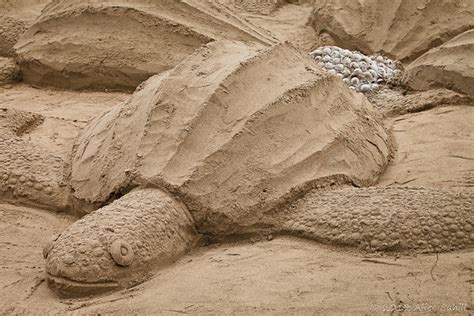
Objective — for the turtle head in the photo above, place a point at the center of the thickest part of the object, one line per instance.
(84, 261)
(119, 245)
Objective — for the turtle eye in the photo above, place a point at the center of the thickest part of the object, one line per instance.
(122, 252)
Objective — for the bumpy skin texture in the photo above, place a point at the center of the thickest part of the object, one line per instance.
(27, 173)
(385, 218)
(10, 31)
(9, 70)
(157, 229)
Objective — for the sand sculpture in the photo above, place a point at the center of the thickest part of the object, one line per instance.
(204, 150)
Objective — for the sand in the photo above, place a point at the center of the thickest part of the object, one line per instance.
(450, 65)
(261, 273)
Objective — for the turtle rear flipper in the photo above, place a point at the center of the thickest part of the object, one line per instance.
(29, 173)
(118, 245)
(385, 218)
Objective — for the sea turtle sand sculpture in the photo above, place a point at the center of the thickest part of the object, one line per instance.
(238, 140)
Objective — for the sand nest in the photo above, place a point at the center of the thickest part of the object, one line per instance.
(401, 29)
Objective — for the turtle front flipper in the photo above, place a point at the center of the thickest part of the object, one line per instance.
(118, 245)
(385, 218)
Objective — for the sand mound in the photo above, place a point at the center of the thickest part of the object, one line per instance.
(233, 118)
(27, 173)
(119, 44)
(10, 31)
(9, 70)
(450, 65)
(402, 29)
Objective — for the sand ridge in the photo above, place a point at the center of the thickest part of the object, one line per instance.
(450, 65)
(53, 51)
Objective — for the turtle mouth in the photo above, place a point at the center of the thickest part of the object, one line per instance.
(66, 287)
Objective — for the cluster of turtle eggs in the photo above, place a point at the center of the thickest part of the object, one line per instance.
(360, 72)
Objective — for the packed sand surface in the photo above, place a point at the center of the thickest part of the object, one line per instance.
(430, 151)
(231, 173)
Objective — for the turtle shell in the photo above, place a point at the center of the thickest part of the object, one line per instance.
(233, 131)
